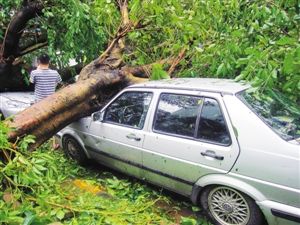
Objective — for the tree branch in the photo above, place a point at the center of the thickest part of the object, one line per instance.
(112, 44)
(15, 29)
(38, 40)
(33, 48)
(117, 45)
(144, 71)
(111, 58)
(124, 12)
(176, 61)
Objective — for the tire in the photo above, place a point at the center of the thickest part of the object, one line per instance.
(74, 150)
(226, 206)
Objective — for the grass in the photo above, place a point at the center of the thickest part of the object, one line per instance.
(44, 187)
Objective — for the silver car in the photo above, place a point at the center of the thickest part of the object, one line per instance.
(230, 150)
(14, 102)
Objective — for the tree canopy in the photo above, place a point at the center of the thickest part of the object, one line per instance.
(257, 41)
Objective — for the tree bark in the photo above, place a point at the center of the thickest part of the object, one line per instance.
(69, 104)
(10, 47)
(11, 77)
(98, 82)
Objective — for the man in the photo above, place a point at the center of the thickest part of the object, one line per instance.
(45, 79)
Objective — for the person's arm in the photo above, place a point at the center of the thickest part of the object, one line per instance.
(59, 82)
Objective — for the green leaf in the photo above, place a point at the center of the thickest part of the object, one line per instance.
(288, 66)
(220, 69)
(242, 76)
(242, 61)
(158, 73)
(26, 141)
(286, 41)
(60, 214)
(188, 221)
(29, 218)
(195, 209)
(287, 86)
(274, 74)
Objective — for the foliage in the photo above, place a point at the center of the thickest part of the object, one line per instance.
(43, 187)
(257, 41)
(71, 27)
(6, 9)
(158, 72)
(73, 31)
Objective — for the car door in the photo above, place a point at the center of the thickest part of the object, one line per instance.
(189, 138)
(116, 140)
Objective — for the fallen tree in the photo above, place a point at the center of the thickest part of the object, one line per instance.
(98, 82)
(194, 38)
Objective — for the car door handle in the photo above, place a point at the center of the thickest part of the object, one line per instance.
(133, 137)
(212, 154)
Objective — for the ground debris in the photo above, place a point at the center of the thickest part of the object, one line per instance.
(9, 198)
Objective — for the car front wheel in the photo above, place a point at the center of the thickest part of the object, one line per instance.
(227, 206)
(74, 150)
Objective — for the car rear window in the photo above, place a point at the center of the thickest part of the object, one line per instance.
(280, 113)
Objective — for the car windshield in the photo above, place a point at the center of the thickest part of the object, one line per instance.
(279, 112)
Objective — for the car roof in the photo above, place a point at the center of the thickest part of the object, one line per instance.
(225, 86)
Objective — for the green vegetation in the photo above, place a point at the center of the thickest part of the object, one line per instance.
(43, 187)
(257, 41)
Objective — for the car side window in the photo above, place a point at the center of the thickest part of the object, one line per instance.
(212, 126)
(177, 114)
(129, 109)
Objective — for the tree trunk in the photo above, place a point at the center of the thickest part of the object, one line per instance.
(71, 103)
(10, 47)
(11, 77)
(98, 82)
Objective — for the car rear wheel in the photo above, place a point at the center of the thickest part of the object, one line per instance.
(227, 206)
(74, 150)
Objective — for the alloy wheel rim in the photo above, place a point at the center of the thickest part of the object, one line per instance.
(228, 206)
(72, 149)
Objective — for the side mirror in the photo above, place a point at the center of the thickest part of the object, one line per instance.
(98, 116)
